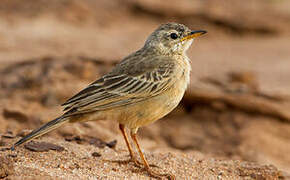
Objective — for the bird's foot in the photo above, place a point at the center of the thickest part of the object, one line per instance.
(139, 164)
(159, 175)
(135, 161)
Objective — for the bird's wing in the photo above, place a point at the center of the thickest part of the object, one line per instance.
(128, 83)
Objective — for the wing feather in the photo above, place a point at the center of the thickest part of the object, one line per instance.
(117, 89)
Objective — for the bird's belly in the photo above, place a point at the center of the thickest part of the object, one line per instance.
(150, 110)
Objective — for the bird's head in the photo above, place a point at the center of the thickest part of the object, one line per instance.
(172, 38)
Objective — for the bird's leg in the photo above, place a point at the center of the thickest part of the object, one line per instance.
(147, 167)
(133, 159)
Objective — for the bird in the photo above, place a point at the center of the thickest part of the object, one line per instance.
(141, 89)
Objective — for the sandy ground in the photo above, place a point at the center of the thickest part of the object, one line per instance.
(77, 162)
(232, 124)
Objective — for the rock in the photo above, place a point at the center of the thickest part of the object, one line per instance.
(17, 115)
(96, 154)
(97, 142)
(112, 144)
(42, 146)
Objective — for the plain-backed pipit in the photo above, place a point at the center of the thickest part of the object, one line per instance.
(142, 88)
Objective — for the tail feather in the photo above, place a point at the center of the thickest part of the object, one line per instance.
(51, 125)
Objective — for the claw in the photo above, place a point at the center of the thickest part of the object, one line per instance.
(159, 175)
(136, 162)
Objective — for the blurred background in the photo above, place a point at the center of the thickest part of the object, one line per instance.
(238, 103)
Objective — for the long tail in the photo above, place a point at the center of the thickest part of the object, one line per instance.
(51, 125)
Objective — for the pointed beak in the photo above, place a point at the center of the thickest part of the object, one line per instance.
(193, 34)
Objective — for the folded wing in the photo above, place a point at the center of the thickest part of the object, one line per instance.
(124, 87)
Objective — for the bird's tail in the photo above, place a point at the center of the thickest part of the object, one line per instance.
(51, 125)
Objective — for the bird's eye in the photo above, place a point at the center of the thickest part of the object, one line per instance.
(173, 36)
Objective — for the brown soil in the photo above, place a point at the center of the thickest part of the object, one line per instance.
(233, 122)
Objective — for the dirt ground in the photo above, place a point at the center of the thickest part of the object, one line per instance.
(233, 123)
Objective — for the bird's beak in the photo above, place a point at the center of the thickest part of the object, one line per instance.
(193, 34)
